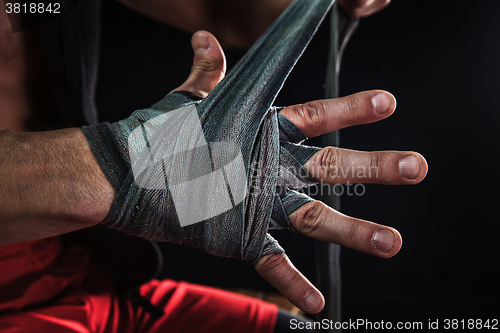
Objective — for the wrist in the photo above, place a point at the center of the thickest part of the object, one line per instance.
(53, 185)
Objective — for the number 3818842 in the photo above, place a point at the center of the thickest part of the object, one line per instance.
(33, 8)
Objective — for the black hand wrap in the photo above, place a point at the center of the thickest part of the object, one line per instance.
(215, 173)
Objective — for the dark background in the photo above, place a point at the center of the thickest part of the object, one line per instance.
(441, 59)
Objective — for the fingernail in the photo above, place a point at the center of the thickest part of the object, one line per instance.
(381, 103)
(312, 301)
(409, 167)
(383, 240)
(200, 43)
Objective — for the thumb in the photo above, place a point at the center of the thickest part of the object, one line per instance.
(209, 65)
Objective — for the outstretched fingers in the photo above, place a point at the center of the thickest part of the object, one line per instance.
(335, 165)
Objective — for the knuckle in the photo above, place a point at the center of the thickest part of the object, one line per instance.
(311, 219)
(376, 162)
(352, 233)
(289, 281)
(352, 106)
(327, 162)
(312, 115)
(276, 267)
(206, 65)
(270, 262)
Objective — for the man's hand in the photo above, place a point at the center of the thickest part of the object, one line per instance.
(315, 219)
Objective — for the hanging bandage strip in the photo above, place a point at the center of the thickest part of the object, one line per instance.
(216, 174)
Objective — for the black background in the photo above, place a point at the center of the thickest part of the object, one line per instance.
(441, 59)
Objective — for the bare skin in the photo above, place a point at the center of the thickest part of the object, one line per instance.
(50, 182)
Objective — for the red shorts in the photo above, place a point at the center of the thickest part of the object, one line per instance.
(88, 303)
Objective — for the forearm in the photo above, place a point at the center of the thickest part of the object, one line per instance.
(236, 23)
(50, 184)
